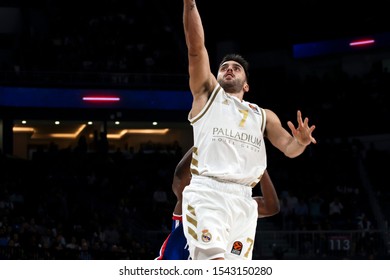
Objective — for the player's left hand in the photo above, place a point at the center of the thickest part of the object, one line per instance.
(303, 133)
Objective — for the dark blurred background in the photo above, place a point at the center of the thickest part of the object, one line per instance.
(97, 185)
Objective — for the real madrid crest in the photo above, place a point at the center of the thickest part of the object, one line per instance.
(206, 236)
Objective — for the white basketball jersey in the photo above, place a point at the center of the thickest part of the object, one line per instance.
(228, 140)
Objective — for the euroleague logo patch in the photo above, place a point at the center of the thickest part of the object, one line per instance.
(206, 236)
(237, 248)
(254, 109)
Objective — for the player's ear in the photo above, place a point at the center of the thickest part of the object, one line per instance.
(246, 87)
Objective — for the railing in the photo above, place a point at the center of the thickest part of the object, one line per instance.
(269, 245)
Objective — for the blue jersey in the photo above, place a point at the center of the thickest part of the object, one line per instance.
(175, 245)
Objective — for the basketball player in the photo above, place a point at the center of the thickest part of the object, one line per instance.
(229, 155)
(175, 245)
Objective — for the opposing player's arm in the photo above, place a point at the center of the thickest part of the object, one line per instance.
(181, 179)
(268, 204)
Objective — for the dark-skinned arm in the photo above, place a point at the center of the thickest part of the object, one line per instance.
(268, 204)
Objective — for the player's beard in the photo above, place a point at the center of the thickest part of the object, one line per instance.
(231, 86)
